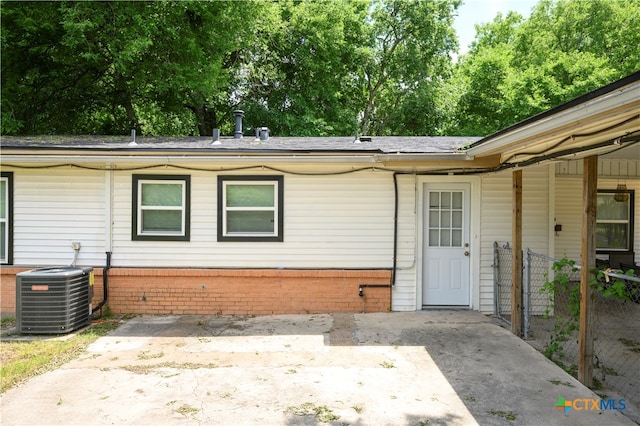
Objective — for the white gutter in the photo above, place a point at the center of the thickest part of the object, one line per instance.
(181, 159)
(628, 95)
(169, 159)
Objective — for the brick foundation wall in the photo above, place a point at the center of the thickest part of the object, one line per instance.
(230, 291)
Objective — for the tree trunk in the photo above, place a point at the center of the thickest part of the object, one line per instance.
(206, 119)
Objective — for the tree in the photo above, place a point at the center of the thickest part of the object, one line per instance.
(165, 67)
(517, 68)
(107, 67)
(408, 57)
(300, 78)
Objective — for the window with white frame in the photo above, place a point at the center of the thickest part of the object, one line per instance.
(250, 208)
(6, 219)
(614, 221)
(161, 207)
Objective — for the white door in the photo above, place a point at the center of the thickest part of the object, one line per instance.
(445, 267)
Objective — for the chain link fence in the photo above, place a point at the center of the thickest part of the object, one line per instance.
(551, 326)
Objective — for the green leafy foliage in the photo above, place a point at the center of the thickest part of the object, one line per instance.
(519, 67)
(303, 68)
(180, 68)
(565, 327)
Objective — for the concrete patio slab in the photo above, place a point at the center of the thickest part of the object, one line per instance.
(417, 368)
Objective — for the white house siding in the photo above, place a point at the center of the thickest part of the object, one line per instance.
(614, 167)
(404, 293)
(496, 215)
(54, 207)
(333, 221)
(568, 202)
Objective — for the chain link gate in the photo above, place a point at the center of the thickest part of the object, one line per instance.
(616, 322)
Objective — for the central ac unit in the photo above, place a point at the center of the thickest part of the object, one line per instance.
(53, 300)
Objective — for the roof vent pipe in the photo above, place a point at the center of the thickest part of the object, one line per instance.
(216, 137)
(262, 134)
(133, 138)
(239, 114)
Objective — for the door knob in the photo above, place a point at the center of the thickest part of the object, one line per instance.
(466, 253)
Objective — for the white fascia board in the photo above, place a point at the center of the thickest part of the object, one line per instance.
(619, 98)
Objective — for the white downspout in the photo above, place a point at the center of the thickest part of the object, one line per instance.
(108, 207)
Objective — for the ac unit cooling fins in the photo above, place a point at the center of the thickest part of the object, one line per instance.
(53, 300)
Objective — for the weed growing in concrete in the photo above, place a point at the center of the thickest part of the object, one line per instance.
(186, 410)
(632, 345)
(357, 408)
(322, 413)
(558, 382)
(147, 355)
(508, 415)
(387, 364)
(150, 368)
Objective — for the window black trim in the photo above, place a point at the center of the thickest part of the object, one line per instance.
(9, 176)
(134, 208)
(280, 200)
(631, 193)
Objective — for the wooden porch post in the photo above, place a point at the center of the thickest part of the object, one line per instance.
(516, 263)
(588, 261)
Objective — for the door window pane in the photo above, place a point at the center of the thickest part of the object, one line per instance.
(457, 200)
(445, 221)
(434, 221)
(434, 199)
(456, 238)
(456, 217)
(445, 238)
(445, 200)
(445, 218)
(434, 237)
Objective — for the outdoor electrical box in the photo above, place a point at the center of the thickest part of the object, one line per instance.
(53, 300)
